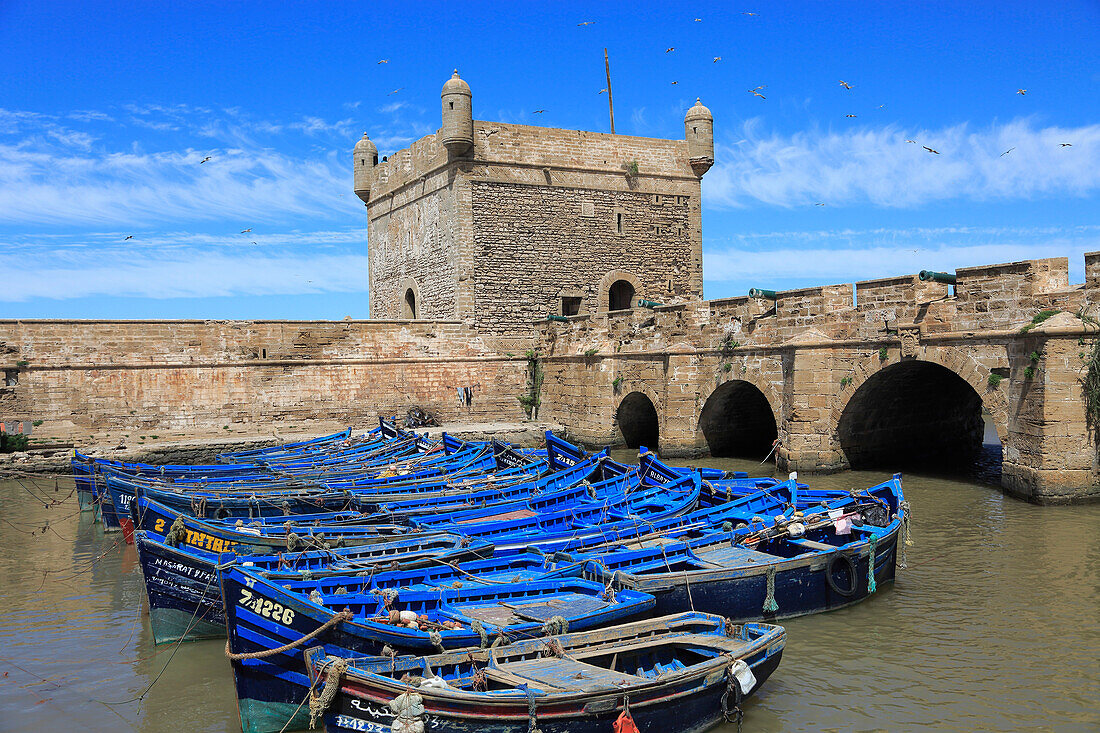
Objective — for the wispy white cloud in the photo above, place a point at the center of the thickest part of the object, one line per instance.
(877, 166)
(150, 189)
(69, 273)
(792, 258)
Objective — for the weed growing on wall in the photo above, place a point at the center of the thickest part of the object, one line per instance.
(1039, 318)
(1090, 386)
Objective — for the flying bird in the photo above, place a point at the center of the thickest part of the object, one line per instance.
(246, 231)
(670, 49)
(849, 115)
(129, 237)
(717, 59)
(204, 160)
(819, 204)
(383, 61)
(845, 84)
(1021, 91)
(756, 92)
(253, 243)
(675, 83)
(395, 91)
(1006, 152)
(744, 13)
(602, 91)
(587, 22)
(911, 141)
(1066, 145)
(930, 150)
(539, 111)
(698, 20)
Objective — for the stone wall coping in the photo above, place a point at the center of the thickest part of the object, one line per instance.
(1009, 266)
(304, 362)
(548, 131)
(881, 281)
(163, 321)
(732, 300)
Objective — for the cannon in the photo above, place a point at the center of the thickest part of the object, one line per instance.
(764, 294)
(649, 303)
(937, 277)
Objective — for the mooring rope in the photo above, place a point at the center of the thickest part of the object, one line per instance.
(342, 616)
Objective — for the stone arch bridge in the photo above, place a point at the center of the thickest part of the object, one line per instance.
(892, 372)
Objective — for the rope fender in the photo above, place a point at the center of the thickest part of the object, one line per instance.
(318, 704)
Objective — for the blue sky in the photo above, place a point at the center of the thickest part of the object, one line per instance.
(107, 109)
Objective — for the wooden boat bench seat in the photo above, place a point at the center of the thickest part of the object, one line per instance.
(502, 517)
(567, 674)
(735, 555)
(569, 605)
(813, 545)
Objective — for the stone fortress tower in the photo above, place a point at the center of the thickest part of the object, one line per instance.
(501, 225)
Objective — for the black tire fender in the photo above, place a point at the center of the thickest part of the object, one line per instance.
(845, 558)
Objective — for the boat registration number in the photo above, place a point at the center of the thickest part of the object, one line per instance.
(267, 609)
(350, 723)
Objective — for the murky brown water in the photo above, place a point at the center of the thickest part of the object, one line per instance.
(994, 626)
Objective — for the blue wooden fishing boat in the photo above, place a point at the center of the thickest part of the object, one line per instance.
(682, 673)
(769, 567)
(267, 623)
(185, 600)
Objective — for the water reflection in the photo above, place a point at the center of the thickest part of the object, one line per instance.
(993, 626)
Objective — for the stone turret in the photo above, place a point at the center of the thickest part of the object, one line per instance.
(365, 158)
(458, 116)
(699, 132)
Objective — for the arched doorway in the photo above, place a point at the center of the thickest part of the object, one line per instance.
(916, 414)
(637, 421)
(408, 306)
(620, 296)
(738, 421)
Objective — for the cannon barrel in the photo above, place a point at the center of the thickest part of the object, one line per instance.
(937, 277)
(649, 303)
(554, 317)
(761, 293)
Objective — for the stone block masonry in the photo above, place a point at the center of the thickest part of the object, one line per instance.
(900, 375)
(91, 376)
(498, 224)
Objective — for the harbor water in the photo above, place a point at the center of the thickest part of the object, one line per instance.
(994, 625)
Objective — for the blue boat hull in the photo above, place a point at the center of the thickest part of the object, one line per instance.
(184, 599)
(801, 587)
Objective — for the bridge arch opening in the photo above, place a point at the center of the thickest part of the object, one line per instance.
(917, 415)
(737, 421)
(637, 421)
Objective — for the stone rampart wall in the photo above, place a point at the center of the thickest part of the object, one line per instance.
(81, 376)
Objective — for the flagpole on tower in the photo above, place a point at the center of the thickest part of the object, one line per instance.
(610, 104)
